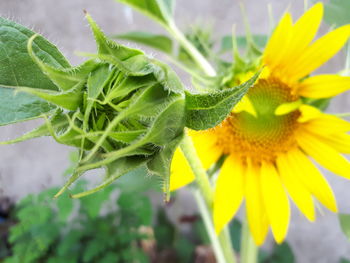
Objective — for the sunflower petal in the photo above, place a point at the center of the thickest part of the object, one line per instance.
(314, 120)
(256, 213)
(324, 86)
(278, 42)
(204, 142)
(324, 154)
(229, 193)
(276, 201)
(318, 53)
(180, 171)
(304, 31)
(296, 189)
(312, 178)
(340, 142)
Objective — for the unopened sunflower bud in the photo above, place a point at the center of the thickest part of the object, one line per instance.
(121, 108)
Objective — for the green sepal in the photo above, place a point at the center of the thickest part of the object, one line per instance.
(40, 131)
(156, 41)
(204, 111)
(168, 125)
(64, 78)
(167, 77)
(98, 79)
(127, 136)
(107, 46)
(69, 100)
(115, 170)
(149, 101)
(160, 164)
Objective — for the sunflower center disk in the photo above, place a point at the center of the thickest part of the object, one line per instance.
(263, 136)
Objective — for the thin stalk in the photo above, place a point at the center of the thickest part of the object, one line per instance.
(203, 209)
(188, 46)
(249, 251)
(206, 192)
(346, 114)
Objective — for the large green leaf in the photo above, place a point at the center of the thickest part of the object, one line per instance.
(344, 220)
(337, 12)
(159, 10)
(204, 111)
(160, 42)
(21, 106)
(18, 69)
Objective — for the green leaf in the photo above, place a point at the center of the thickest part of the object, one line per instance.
(92, 204)
(344, 260)
(17, 107)
(235, 234)
(138, 181)
(136, 210)
(160, 42)
(321, 104)
(92, 250)
(336, 12)
(344, 220)
(65, 206)
(226, 42)
(201, 232)
(69, 243)
(185, 249)
(18, 69)
(109, 257)
(204, 111)
(281, 254)
(164, 231)
(159, 10)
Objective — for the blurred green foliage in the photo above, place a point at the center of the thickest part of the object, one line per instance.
(91, 229)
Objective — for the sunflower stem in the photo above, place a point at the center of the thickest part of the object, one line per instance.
(221, 244)
(249, 251)
(200, 60)
(203, 209)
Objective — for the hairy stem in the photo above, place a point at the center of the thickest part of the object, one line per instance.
(224, 251)
(188, 46)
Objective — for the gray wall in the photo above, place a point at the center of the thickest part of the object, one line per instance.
(34, 165)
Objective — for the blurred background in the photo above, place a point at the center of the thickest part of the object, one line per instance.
(32, 166)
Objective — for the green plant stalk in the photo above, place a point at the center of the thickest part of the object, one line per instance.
(346, 114)
(203, 209)
(188, 46)
(249, 251)
(206, 192)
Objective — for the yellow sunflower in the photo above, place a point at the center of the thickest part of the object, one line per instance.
(270, 148)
